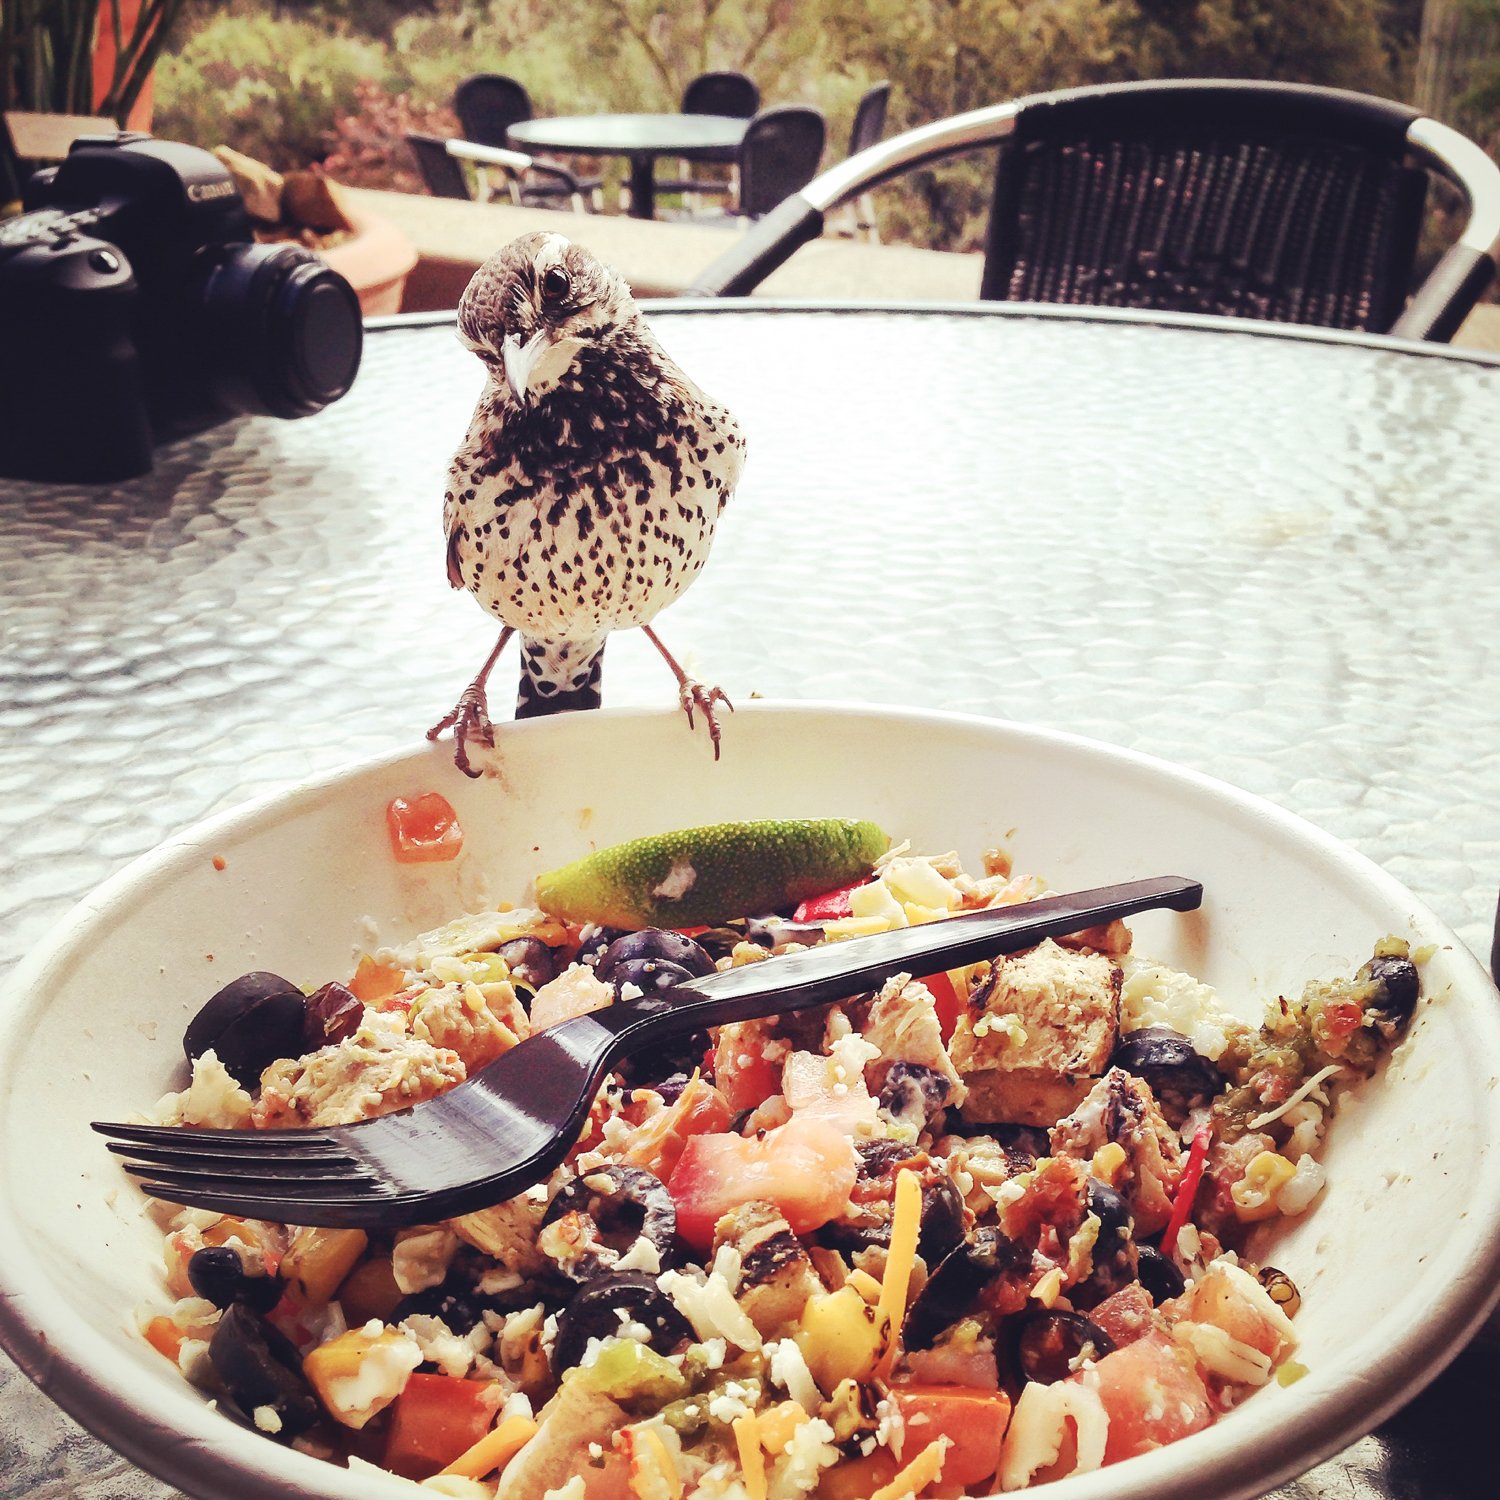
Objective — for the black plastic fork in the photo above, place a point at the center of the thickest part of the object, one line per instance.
(509, 1125)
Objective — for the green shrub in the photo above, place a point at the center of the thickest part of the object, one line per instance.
(270, 87)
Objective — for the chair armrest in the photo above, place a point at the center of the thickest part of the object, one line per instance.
(1459, 279)
(798, 219)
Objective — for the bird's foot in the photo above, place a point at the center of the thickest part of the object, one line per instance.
(693, 696)
(469, 719)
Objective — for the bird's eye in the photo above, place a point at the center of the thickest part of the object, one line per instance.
(555, 285)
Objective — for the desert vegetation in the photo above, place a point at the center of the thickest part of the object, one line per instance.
(338, 82)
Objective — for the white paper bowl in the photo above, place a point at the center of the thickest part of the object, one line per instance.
(1397, 1263)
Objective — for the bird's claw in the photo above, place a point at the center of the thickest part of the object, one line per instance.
(469, 719)
(693, 695)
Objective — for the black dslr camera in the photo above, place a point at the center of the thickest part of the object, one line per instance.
(136, 306)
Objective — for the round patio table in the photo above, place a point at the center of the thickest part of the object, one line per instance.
(1270, 555)
(639, 138)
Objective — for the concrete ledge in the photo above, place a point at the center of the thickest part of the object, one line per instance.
(658, 259)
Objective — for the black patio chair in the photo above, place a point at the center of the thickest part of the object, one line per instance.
(1257, 200)
(869, 126)
(442, 174)
(722, 93)
(487, 105)
(778, 157)
(516, 175)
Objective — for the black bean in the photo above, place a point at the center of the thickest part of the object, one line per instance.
(1114, 1250)
(1047, 1346)
(913, 1093)
(1158, 1274)
(955, 1288)
(530, 961)
(218, 1274)
(1398, 986)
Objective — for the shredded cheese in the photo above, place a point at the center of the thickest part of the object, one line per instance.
(1260, 1121)
(656, 1444)
(906, 1223)
(495, 1449)
(752, 1462)
(923, 1470)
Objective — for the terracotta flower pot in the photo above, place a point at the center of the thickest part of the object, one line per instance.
(376, 260)
(104, 58)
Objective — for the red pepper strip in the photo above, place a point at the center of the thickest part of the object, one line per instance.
(1187, 1187)
(829, 905)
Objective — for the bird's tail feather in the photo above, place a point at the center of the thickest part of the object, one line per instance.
(559, 676)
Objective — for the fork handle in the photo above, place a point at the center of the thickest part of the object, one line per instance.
(833, 971)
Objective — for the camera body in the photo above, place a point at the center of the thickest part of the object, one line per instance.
(136, 307)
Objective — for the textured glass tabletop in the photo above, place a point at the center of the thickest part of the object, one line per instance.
(1273, 558)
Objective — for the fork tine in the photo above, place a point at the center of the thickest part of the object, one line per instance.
(275, 1185)
(289, 1175)
(185, 1154)
(301, 1143)
(334, 1212)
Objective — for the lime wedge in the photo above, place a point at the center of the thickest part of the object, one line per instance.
(701, 876)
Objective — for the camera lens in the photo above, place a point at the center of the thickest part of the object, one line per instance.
(285, 334)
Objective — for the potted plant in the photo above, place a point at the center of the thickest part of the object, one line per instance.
(81, 57)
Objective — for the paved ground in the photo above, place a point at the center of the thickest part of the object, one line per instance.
(661, 259)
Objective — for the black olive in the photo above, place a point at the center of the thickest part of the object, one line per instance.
(954, 1288)
(1178, 1075)
(1114, 1249)
(652, 959)
(530, 961)
(332, 1014)
(1158, 1274)
(1398, 988)
(914, 1093)
(635, 1203)
(251, 1022)
(1047, 1345)
(218, 1274)
(595, 1309)
(259, 1366)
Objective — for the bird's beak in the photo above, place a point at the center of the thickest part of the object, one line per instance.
(541, 355)
(520, 360)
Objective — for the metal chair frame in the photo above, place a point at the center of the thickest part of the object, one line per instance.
(1434, 311)
(513, 169)
(470, 99)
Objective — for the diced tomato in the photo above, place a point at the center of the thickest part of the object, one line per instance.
(974, 1422)
(1153, 1395)
(1125, 1315)
(829, 906)
(434, 1419)
(805, 1167)
(423, 830)
(1342, 1018)
(657, 1145)
(945, 1001)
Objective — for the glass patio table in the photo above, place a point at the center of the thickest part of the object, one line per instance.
(640, 138)
(1269, 555)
